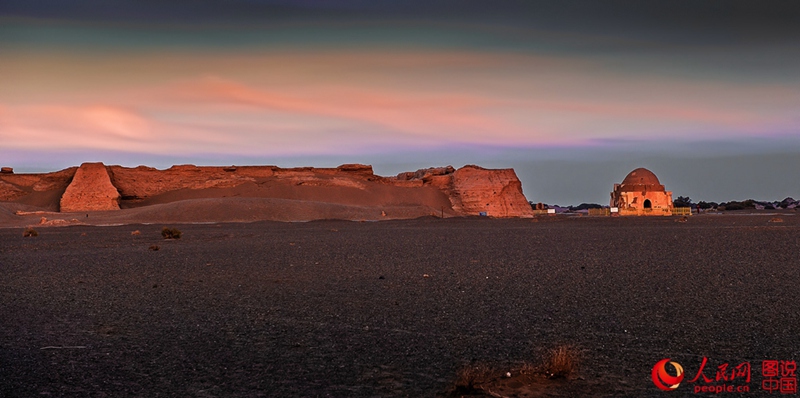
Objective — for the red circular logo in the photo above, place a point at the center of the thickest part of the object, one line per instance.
(664, 380)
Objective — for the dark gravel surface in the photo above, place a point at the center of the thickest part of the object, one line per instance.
(343, 309)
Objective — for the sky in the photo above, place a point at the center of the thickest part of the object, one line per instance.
(572, 94)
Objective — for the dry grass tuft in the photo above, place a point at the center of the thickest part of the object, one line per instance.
(470, 378)
(529, 368)
(171, 233)
(561, 362)
(137, 232)
(155, 248)
(30, 232)
(776, 219)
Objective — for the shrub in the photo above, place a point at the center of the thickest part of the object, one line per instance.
(30, 232)
(171, 233)
(732, 206)
(585, 206)
(706, 205)
(682, 201)
(561, 361)
(470, 379)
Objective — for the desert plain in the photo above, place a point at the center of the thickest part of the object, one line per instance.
(392, 308)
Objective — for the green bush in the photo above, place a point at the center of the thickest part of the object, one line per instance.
(171, 233)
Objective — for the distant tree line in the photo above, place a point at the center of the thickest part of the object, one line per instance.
(582, 206)
(685, 201)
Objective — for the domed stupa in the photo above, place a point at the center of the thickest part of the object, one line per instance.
(641, 194)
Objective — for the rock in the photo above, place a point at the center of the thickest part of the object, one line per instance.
(90, 190)
(498, 193)
(185, 167)
(405, 176)
(474, 190)
(9, 192)
(433, 171)
(18, 187)
(356, 168)
(471, 190)
(58, 222)
(140, 183)
(6, 170)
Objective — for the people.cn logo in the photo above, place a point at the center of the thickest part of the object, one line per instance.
(664, 380)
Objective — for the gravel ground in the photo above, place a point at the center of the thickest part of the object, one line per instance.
(343, 309)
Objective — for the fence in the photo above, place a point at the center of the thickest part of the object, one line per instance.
(682, 211)
(605, 211)
(676, 211)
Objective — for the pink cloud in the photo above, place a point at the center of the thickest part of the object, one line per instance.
(454, 116)
(665, 111)
(330, 102)
(85, 127)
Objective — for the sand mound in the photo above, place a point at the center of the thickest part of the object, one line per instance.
(373, 194)
(7, 213)
(255, 209)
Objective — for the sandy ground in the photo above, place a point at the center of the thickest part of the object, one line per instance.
(341, 309)
(313, 197)
(228, 209)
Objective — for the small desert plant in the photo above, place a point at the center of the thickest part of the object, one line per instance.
(470, 378)
(30, 232)
(137, 232)
(171, 233)
(155, 248)
(529, 368)
(561, 361)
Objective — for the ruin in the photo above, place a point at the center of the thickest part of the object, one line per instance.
(641, 194)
